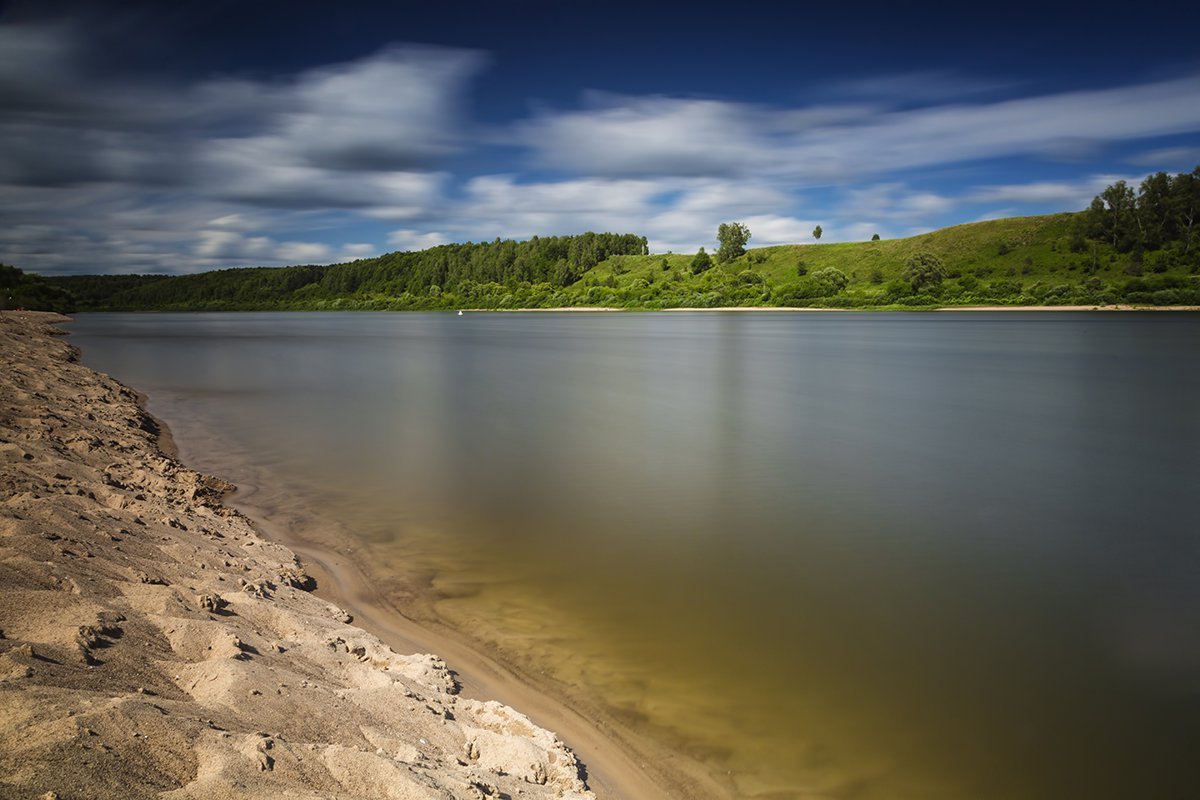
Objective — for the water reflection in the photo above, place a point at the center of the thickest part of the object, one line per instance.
(884, 556)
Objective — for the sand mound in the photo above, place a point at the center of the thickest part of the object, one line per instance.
(152, 644)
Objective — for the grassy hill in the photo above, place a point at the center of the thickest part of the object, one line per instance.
(1023, 260)
(1026, 260)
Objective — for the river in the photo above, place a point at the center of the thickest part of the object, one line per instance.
(881, 556)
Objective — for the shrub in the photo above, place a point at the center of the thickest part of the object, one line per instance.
(831, 278)
(924, 271)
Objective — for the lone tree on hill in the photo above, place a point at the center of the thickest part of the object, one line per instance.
(924, 271)
(817, 232)
(733, 237)
(875, 237)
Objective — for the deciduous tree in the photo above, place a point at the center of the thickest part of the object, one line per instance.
(733, 237)
(924, 271)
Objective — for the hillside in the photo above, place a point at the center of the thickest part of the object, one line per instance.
(1017, 261)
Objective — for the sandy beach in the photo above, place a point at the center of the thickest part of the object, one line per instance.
(154, 644)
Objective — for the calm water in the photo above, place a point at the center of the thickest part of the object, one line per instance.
(901, 557)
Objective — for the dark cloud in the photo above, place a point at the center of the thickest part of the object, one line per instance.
(368, 135)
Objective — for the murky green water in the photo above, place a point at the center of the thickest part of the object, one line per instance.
(855, 555)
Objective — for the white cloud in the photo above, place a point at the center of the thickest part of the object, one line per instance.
(682, 137)
(231, 246)
(223, 245)
(356, 250)
(770, 229)
(1068, 194)
(1169, 159)
(405, 239)
(647, 136)
(893, 201)
(391, 111)
(304, 252)
(857, 232)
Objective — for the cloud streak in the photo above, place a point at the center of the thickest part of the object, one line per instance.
(685, 137)
(369, 136)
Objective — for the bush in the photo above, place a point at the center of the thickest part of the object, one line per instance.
(924, 271)
(1004, 289)
(831, 278)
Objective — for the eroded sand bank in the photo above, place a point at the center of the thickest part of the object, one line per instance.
(153, 644)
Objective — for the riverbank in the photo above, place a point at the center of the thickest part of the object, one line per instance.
(153, 644)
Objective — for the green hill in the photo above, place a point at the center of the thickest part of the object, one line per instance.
(1017, 261)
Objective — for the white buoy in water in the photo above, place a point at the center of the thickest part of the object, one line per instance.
(460, 312)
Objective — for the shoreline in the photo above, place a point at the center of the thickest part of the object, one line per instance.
(617, 763)
(154, 644)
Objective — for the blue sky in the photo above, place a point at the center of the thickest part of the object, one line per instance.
(178, 137)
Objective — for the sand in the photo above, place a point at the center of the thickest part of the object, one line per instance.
(154, 644)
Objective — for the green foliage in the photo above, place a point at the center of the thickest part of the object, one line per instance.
(702, 262)
(394, 280)
(1163, 211)
(32, 292)
(817, 232)
(924, 271)
(732, 237)
(875, 237)
(831, 278)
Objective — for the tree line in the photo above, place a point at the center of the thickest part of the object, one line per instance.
(413, 279)
(1161, 214)
(19, 289)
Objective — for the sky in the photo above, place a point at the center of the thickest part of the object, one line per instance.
(154, 137)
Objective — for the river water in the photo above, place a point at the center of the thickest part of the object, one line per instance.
(879, 556)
